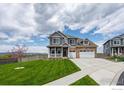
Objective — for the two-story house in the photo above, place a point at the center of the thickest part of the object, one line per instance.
(61, 45)
(114, 46)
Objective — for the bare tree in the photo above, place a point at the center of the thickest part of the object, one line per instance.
(18, 52)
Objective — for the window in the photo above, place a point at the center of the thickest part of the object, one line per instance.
(52, 51)
(56, 40)
(72, 50)
(72, 41)
(91, 50)
(123, 41)
(81, 50)
(58, 50)
(116, 42)
(86, 42)
(81, 42)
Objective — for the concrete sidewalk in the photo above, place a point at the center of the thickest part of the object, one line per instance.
(67, 80)
(101, 70)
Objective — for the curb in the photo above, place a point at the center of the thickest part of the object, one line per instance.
(116, 77)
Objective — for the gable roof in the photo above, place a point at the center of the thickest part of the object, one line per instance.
(64, 35)
(90, 42)
(69, 36)
(61, 33)
(119, 36)
(58, 32)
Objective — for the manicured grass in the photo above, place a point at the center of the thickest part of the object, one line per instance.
(36, 72)
(87, 80)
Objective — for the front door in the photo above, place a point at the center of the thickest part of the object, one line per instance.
(65, 52)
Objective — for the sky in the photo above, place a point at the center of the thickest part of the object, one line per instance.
(31, 24)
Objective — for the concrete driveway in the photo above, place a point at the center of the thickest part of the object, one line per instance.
(104, 72)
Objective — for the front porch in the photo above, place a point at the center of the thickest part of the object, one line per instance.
(58, 52)
(118, 51)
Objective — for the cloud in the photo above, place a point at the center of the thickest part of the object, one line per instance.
(5, 48)
(3, 36)
(23, 21)
(55, 16)
(46, 17)
(17, 21)
(37, 49)
(115, 23)
(31, 49)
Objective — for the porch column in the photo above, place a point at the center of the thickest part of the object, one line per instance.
(122, 50)
(61, 51)
(48, 52)
(112, 52)
(118, 51)
(68, 52)
(55, 51)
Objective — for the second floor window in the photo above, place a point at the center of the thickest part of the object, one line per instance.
(56, 41)
(86, 42)
(72, 41)
(81, 42)
(122, 41)
(116, 42)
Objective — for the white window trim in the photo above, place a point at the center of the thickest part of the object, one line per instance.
(56, 39)
(85, 43)
(82, 43)
(59, 50)
(116, 41)
(52, 49)
(123, 41)
(73, 41)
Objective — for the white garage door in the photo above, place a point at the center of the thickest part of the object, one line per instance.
(87, 54)
(72, 54)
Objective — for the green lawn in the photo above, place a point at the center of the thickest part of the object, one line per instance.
(87, 80)
(36, 72)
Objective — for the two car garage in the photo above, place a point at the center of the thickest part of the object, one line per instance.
(82, 54)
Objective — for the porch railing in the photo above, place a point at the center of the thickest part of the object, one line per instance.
(55, 55)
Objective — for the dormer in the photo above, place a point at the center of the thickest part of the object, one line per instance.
(84, 42)
(72, 41)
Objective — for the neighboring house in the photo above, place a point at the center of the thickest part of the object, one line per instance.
(114, 46)
(61, 45)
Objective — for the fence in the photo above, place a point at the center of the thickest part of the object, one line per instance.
(101, 55)
(8, 60)
(24, 59)
(34, 57)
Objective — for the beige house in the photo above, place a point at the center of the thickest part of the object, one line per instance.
(61, 45)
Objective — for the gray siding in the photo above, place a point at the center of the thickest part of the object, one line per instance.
(56, 36)
(107, 48)
(115, 42)
(61, 40)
